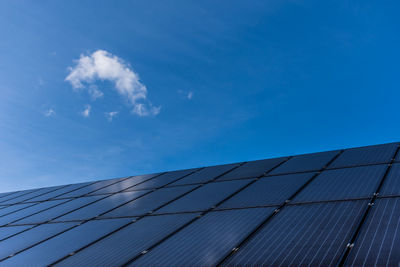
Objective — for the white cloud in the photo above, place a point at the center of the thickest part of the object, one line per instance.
(102, 65)
(86, 112)
(111, 115)
(190, 95)
(185, 94)
(50, 112)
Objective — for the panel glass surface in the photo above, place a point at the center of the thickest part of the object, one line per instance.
(307, 162)
(252, 169)
(58, 210)
(125, 184)
(378, 243)
(206, 241)
(28, 238)
(13, 208)
(204, 197)
(61, 191)
(17, 194)
(27, 197)
(9, 231)
(357, 182)
(271, 190)
(391, 186)
(163, 180)
(149, 202)
(205, 174)
(365, 155)
(102, 206)
(306, 235)
(65, 243)
(10, 218)
(121, 246)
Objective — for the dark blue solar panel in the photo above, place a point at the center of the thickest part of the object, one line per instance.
(391, 186)
(252, 169)
(378, 243)
(17, 194)
(58, 210)
(205, 174)
(307, 235)
(149, 202)
(7, 194)
(101, 206)
(268, 191)
(365, 155)
(88, 189)
(59, 192)
(345, 183)
(206, 241)
(61, 245)
(118, 248)
(13, 208)
(30, 195)
(28, 211)
(307, 162)
(30, 237)
(9, 231)
(204, 197)
(163, 180)
(124, 184)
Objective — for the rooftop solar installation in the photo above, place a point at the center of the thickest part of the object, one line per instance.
(334, 208)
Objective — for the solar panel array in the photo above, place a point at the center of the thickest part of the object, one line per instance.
(331, 208)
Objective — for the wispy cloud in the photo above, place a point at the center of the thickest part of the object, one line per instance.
(186, 94)
(111, 115)
(102, 65)
(50, 113)
(86, 112)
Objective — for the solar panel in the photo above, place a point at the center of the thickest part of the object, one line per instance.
(204, 197)
(307, 162)
(272, 190)
(205, 174)
(252, 169)
(307, 235)
(101, 206)
(313, 209)
(379, 241)
(391, 186)
(365, 155)
(351, 183)
(72, 240)
(120, 247)
(206, 241)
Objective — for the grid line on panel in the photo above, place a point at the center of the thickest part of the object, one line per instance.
(8, 194)
(134, 258)
(142, 216)
(367, 211)
(283, 205)
(81, 222)
(51, 191)
(24, 194)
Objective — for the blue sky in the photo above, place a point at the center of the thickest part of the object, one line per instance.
(190, 83)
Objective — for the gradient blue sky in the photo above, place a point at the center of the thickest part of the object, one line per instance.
(267, 78)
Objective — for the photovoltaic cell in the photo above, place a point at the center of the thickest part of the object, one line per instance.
(358, 182)
(65, 243)
(378, 243)
(28, 211)
(205, 174)
(88, 189)
(204, 197)
(391, 186)
(149, 202)
(16, 194)
(365, 155)
(14, 208)
(121, 246)
(58, 210)
(271, 190)
(59, 192)
(206, 241)
(30, 237)
(307, 162)
(29, 195)
(101, 206)
(124, 184)
(252, 169)
(306, 235)
(9, 231)
(163, 180)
